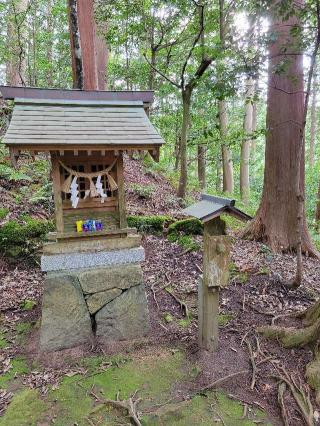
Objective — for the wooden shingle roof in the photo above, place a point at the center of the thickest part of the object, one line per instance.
(75, 123)
(210, 207)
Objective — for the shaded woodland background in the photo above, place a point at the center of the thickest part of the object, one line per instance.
(208, 64)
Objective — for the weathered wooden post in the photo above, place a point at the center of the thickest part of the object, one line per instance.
(216, 257)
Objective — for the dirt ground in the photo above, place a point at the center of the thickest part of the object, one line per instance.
(254, 297)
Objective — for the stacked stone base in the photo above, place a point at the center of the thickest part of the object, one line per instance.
(80, 305)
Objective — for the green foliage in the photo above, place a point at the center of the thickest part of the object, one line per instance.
(185, 241)
(10, 173)
(143, 191)
(28, 305)
(168, 317)
(149, 224)
(191, 226)
(3, 212)
(22, 239)
(224, 319)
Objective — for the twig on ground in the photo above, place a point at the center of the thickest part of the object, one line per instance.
(182, 304)
(244, 303)
(154, 295)
(290, 314)
(253, 364)
(230, 376)
(130, 405)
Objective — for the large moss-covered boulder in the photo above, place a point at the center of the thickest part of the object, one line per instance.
(65, 318)
(125, 318)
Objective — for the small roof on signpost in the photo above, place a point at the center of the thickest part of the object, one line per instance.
(210, 207)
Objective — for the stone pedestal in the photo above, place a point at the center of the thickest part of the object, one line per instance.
(82, 300)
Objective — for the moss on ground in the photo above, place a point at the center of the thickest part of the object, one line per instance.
(224, 319)
(3, 341)
(155, 375)
(19, 367)
(212, 409)
(25, 409)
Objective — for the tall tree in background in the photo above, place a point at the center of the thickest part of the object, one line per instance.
(313, 118)
(88, 49)
(227, 164)
(277, 218)
(247, 140)
(16, 29)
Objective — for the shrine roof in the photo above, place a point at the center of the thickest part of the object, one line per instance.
(38, 122)
(210, 207)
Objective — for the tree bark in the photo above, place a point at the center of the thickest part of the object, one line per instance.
(246, 143)
(277, 218)
(186, 101)
(313, 119)
(16, 65)
(88, 49)
(227, 165)
(202, 166)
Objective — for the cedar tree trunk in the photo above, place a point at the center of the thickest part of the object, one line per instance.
(227, 165)
(246, 143)
(276, 220)
(186, 101)
(88, 49)
(313, 119)
(202, 166)
(16, 65)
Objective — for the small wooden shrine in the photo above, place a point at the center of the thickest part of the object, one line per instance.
(86, 134)
(93, 284)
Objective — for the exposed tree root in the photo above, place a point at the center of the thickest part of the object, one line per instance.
(281, 390)
(256, 230)
(302, 398)
(313, 374)
(292, 337)
(299, 337)
(311, 314)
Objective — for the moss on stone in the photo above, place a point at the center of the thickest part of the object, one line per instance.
(149, 224)
(191, 226)
(25, 409)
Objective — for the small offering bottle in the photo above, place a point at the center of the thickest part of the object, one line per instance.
(79, 224)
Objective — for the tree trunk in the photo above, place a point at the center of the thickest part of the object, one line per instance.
(317, 215)
(16, 65)
(50, 44)
(177, 152)
(277, 218)
(88, 49)
(76, 53)
(186, 101)
(227, 165)
(313, 119)
(202, 166)
(246, 143)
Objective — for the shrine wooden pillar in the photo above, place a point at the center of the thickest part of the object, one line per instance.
(215, 276)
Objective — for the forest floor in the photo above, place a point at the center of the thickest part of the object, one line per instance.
(168, 369)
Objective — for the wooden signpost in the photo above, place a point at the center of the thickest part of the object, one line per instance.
(216, 258)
